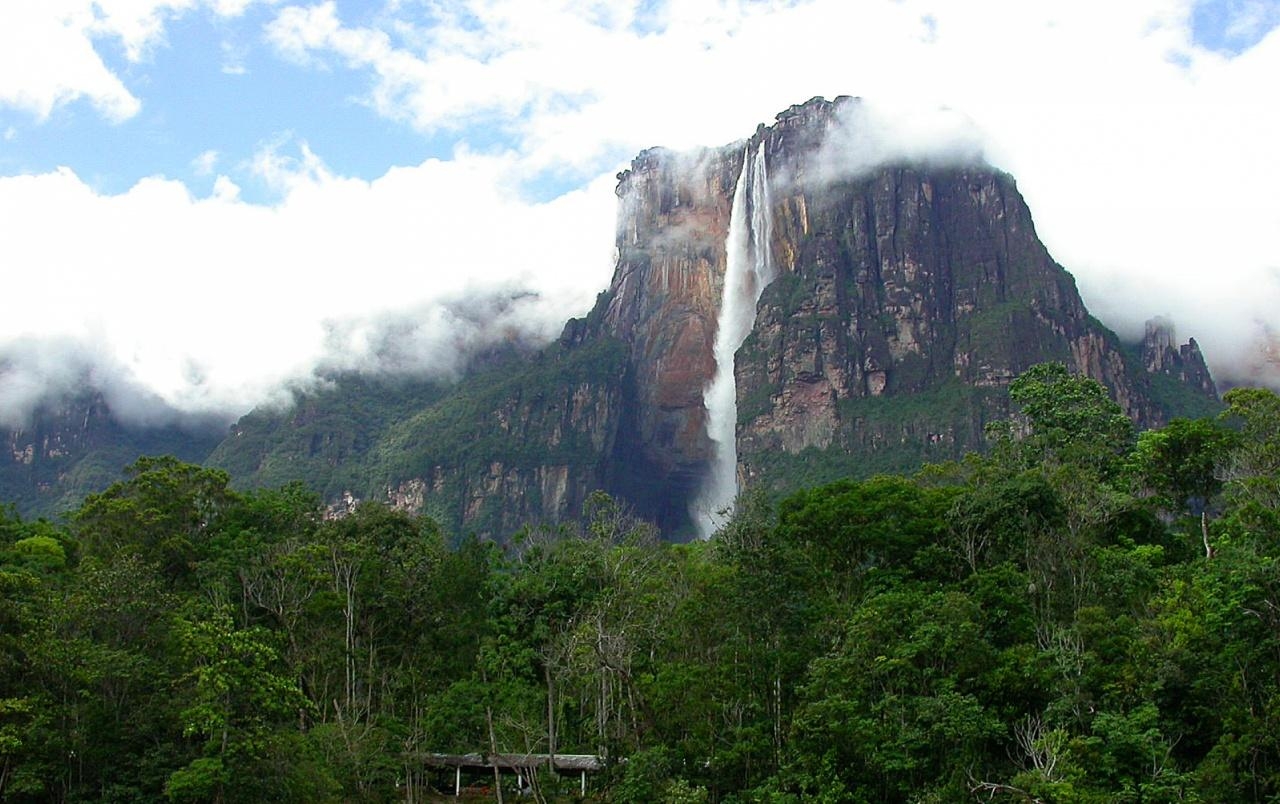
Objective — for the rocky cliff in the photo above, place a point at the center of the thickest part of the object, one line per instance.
(1163, 356)
(906, 297)
(521, 440)
(74, 445)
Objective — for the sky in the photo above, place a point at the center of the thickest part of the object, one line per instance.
(202, 201)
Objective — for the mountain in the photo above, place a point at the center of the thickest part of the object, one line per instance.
(895, 303)
(903, 299)
(74, 445)
(877, 306)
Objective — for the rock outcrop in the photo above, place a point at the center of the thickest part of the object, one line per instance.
(1163, 356)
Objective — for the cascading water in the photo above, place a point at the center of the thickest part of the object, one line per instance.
(748, 269)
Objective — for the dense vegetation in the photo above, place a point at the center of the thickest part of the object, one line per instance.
(363, 435)
(78, 448)
(1080, 615)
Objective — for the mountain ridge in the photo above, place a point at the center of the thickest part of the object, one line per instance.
(908, 294)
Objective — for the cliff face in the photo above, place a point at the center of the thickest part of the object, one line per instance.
(907, 297)
(902, 298)
(1162, 356)
(73, 446)
(519, 441)
(529, 449)
(672, 224)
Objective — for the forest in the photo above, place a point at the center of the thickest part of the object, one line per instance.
(1080, 613)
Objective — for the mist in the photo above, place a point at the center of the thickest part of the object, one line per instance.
(51, 372)
(1225, 299)
(172, 305)
(869, 133)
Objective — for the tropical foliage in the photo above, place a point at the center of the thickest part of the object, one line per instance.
(1082, 614)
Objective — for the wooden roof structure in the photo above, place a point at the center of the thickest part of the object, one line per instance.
(562, 763)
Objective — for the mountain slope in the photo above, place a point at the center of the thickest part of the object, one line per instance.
(75, 445)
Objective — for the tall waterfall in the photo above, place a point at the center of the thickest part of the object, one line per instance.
(748, 269)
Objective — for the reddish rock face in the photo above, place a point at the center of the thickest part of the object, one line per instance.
(672, 223)
(907, 297)
(896, 281)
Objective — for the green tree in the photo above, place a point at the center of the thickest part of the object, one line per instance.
(1252, 471)
(1071, 420)
(1180, 465)
(896, 711)
(164, 511)
(240, 701)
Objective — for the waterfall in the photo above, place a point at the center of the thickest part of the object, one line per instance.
(748, 268)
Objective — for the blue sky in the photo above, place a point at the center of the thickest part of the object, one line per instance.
(211, 85)
(210, 198)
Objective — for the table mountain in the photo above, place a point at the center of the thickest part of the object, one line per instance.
(784, 310)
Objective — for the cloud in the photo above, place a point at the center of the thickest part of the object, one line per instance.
(204, 164)
(48, 59)
(49, 53)
(35, 372)
(439, 338)
(215, 303)
(867, 134)
(1146, 157)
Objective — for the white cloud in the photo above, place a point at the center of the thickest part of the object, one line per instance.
(1148, 160)
(253, 295)
(299, 30)
(224, 189)
(49, 55)
(204, 164)
(47, 59)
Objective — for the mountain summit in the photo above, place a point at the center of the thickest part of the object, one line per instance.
(902, 296)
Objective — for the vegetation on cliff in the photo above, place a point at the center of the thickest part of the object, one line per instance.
(1080, 615)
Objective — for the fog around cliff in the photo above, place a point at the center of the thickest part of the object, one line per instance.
(231, 302)
(875, 131)
(1222, 291)
(464, 159)
(36, 372)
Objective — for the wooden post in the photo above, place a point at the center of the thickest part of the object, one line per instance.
(584, 784)
(457, 781)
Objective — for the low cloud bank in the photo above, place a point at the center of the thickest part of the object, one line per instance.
(54, 371)
(212, 305)
(871, 133)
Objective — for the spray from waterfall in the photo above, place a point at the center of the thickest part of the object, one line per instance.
(748, 269)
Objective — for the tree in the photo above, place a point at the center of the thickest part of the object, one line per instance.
(1180, 466)
(848, 529)
(1253, 470)
(896, 710)
(165, 511)
(1072, 419)
(241, 702)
